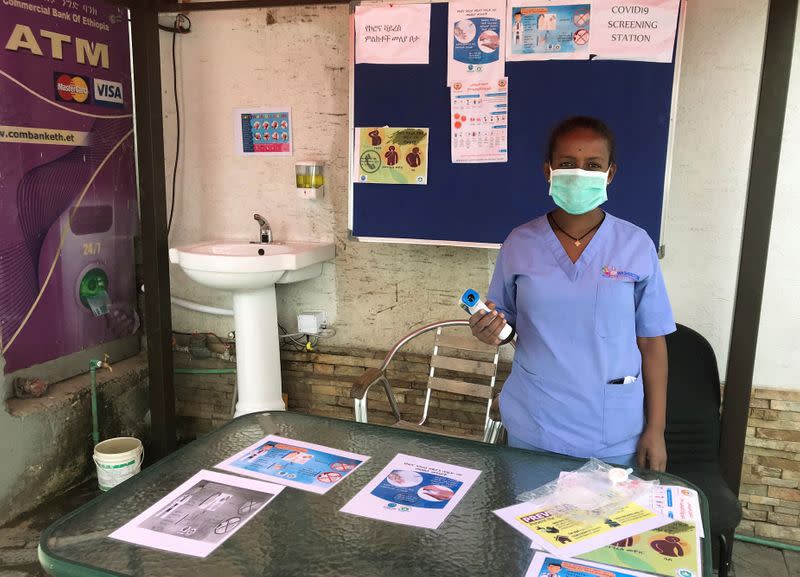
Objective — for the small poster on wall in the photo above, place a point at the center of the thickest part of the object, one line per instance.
(392, 33)
(634, 29)
(263, 131)
(475, 40)
(556, 30)
(391, 155)
(479, 121)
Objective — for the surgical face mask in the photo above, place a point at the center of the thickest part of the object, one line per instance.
(578, 191)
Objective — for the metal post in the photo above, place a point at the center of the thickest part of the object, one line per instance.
(152, 200)
(764, 161)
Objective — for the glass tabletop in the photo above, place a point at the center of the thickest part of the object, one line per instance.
(302, 533)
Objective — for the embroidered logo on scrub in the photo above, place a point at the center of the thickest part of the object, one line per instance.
(613, 273)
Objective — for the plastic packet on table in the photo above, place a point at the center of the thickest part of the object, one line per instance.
(595, 490)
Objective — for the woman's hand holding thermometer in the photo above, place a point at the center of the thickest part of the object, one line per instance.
(487, 325)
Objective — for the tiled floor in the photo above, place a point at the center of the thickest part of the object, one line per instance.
(18, 541)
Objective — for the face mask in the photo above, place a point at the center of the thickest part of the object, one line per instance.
(578, 191)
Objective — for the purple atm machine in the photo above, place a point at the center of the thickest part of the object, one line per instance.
(68, 207)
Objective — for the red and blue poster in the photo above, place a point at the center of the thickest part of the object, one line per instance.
(68, 185)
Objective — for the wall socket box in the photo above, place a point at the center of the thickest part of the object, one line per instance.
(311, 322)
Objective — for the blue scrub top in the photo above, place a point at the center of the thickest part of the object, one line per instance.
(577, 325)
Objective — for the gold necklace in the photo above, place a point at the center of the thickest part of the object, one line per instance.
(575, 239)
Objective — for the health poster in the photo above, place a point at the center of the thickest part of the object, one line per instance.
(475, 40)
(263, 131)
(556, 30)
(570, 531)
(672, 551)
(391, 155)
(413, 491)
(200, 515)
(479, 121)
(634, 29)
(392, 33)
(294, 463)
(544, 565)
(675, 502)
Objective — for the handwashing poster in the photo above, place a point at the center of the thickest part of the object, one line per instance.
(671, 550)
(475, 41)
(68, 205)
(554, 30)
(263, 131)
(294, 463)
(389, 155)
(413, 491)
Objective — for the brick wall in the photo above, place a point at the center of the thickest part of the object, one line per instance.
(771, 473)
(319, 383)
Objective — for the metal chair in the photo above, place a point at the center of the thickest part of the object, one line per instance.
(451, 355)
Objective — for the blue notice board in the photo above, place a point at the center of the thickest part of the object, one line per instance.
(482, 203)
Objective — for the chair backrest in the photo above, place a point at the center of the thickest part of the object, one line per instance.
(462, 365)
(693, 399)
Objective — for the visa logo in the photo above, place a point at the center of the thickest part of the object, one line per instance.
(108, 93)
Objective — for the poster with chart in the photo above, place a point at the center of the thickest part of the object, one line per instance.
(390, 155)
(263, 131)
(554, 30)
(479, 121)
(294, 463)
(475, 40)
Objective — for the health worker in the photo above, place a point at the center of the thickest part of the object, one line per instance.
(585, 294)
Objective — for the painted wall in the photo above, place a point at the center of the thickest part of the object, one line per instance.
(375, 293)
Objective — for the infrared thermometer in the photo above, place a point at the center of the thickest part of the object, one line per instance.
(472, 303)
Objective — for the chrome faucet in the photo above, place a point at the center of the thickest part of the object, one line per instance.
(265, 232)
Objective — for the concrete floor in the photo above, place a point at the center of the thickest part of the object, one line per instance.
(19, 539)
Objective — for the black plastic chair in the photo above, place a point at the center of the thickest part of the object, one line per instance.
(693, 431)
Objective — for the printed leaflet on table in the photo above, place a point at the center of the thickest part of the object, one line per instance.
(479, 121)
(475, 40)
(392, 33)
(555, 30)
(675, 502)
(672, 551)
(200, 515)
(263, 131)
(387, 155)
(294, 463)
(545, 565)
(634, 30)
(566, 530)
(413, 491)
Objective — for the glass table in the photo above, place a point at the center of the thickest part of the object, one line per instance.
(302, 533)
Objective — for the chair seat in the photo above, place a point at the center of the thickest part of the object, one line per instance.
(409, 426)
(724, 507)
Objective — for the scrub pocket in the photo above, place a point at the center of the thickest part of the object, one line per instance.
(614, 307)
(623, 412)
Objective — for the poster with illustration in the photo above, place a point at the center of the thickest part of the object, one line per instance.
(68, 209)
(263, 131)
(413, 491)
(544, 565)
(567, 530)
(389, 155)
(555, 30)
(199, 515)
(294, 463)
(479, 121)
(672, 550)
(475, 41)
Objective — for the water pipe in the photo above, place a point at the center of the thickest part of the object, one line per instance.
(766, 542)
(183, 371)
(192, 306)
(94, 364)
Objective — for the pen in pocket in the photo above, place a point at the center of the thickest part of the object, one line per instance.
(622, 381)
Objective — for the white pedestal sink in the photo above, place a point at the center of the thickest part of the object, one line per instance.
(251, 271)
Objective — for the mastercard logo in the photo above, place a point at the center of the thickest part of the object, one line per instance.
(72, 88)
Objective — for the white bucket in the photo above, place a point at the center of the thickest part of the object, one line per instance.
(117, 459)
